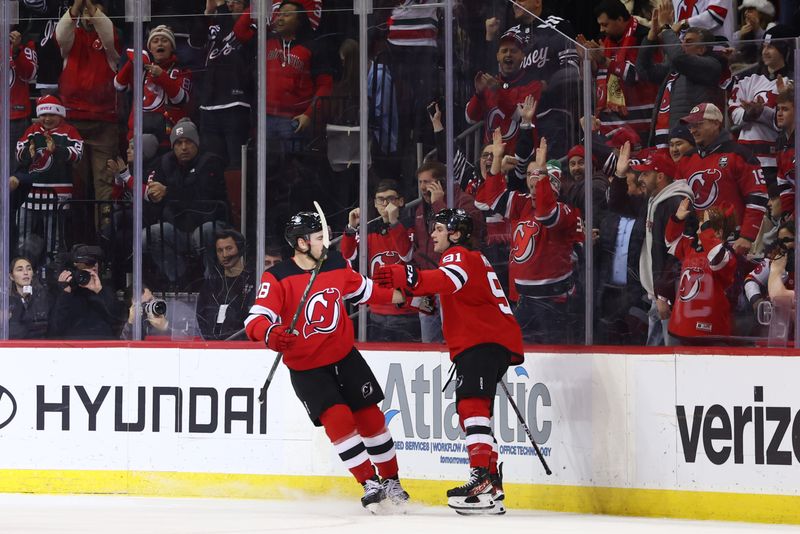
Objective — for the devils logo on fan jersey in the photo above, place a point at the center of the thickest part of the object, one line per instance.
(523, 241)
(42, 161)
(690, 283)
(322, 312)
(388, 257)
(705, 186)
(495, 119)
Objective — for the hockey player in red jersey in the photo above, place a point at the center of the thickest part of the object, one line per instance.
(329, 375)
(701, 307)
(483, 339)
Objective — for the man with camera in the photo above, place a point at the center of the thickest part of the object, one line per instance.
(84, 308)
(160, 319)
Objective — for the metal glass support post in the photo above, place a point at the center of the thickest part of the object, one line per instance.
(796, 196)
(448, 98)
(5, 165)
(262, 13)
(588, 222)
(363, 8)
(138, 162)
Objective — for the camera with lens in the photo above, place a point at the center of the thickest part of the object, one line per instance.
(88, 255)
(155, 308)
(80, 278)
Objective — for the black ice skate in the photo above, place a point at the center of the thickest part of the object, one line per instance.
(476, 497)
(499, 494)
(395, 496)
(373, 495)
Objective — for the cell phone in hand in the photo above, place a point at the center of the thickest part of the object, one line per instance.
(432, 108)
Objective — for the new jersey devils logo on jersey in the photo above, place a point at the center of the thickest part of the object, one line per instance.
(42, 161)
(322, 312)
(495, 119)
(690, 284)
(523, 242)
(389, 257)
(705, 186)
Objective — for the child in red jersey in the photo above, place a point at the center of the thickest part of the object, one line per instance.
(708, 266)
(329, 375)
(483, 338)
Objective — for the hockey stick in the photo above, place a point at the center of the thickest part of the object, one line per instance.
(525, 426)
(326, 242)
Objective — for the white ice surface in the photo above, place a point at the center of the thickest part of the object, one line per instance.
(143, 515)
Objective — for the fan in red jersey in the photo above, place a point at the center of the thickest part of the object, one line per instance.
(329, 375)
(483, 338)
(720, 170)
(708, 266)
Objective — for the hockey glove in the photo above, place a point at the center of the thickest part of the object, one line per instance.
(280, 339)
(396, 276)
(425, 304)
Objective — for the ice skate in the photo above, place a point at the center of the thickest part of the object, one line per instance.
(476, 497)
(395, 497)
(373, 495)
(499, 494)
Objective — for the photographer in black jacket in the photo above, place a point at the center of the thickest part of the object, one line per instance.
(84, 308)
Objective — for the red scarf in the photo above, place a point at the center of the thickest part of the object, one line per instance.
(618, 53)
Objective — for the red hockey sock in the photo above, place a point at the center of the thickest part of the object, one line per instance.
(493, 458)
(341, 429)
(474, 415)
(371, 424)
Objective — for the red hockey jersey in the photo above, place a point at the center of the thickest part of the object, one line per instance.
(725, 171)
(324, 329)
(50, 172)
(86, 85)
(498, 108)
(23, 72)
(386, 245)
(544, 232)
(167, 95)
(475, 311)
(701, 306)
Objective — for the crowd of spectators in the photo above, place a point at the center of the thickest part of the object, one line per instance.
(692, 127)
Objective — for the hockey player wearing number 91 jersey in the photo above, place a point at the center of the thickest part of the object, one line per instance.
(328, 374)
(483, 339)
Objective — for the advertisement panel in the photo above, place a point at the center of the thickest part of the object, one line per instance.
(662, 422)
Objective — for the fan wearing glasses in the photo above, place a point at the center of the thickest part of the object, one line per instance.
(388, 243)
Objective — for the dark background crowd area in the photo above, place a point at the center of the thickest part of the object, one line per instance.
(192, 200)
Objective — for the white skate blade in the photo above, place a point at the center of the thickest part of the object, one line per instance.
(374, 508)
(482, 504)
(388, 507)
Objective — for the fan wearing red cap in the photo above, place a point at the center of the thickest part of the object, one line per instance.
(662, 197)
(46, 153)
(721, 170)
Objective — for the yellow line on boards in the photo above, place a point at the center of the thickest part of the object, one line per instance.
(575, 499)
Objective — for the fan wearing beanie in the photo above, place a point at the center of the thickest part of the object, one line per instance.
(167, 86)
(46, 153)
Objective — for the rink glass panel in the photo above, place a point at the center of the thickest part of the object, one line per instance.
(275, 173)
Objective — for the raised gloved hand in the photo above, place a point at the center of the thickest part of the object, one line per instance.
(280, 339)
(396, 276)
